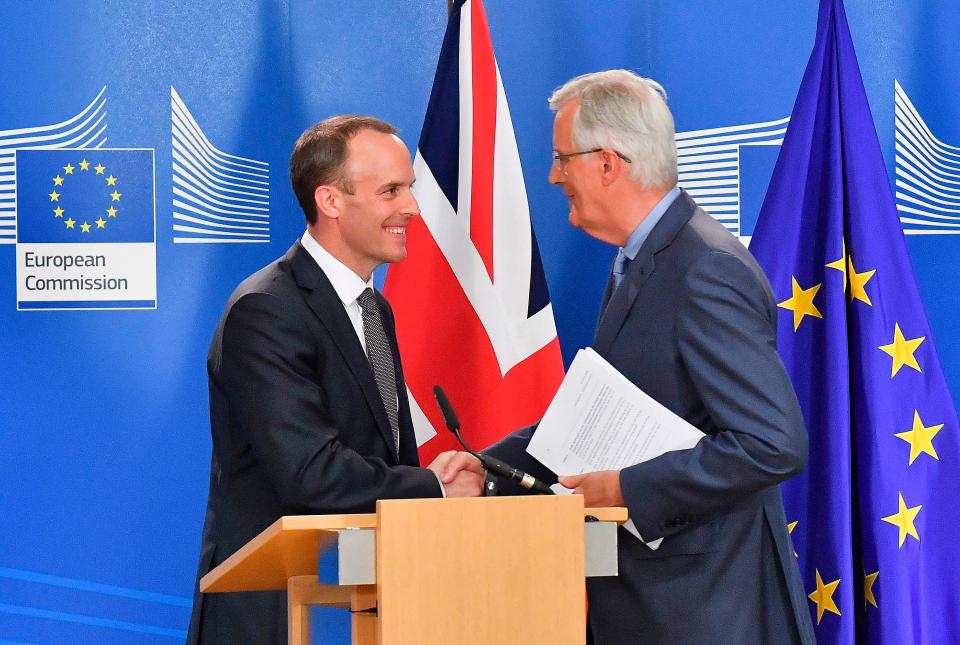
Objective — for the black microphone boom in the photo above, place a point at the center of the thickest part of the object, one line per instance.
(491, 464)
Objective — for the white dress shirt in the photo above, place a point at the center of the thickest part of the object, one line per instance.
(346, 283)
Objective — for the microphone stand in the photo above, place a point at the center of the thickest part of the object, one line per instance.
(492, 465)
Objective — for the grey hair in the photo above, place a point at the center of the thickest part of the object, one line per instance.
(626, 113)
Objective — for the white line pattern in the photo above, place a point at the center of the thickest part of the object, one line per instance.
(87, 129)
(927, 174)
(218, 198)
(709, 164)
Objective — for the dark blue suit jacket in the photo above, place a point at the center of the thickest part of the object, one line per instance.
(693, 324)
(298, 427)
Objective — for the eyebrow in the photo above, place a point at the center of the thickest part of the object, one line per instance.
(395, 184)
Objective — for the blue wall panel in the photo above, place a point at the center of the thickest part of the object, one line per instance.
(104, 439)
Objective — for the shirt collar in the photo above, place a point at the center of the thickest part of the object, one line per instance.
(642, 232)
(346, 283)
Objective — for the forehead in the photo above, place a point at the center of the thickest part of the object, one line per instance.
(563, 124)
(377, 153)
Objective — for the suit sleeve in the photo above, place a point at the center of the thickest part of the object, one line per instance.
(727, 342)
(267, 371)
(513, 450)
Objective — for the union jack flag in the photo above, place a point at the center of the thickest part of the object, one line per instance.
(472, 308)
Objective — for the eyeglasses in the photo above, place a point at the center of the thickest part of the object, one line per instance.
(560, 158)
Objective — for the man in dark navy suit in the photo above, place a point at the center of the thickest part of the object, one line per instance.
(689, 317)
(308, 407)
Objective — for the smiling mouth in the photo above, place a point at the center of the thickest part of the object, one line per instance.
(396, 230)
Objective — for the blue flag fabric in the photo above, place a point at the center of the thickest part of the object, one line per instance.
(873, 517)
(85, 196)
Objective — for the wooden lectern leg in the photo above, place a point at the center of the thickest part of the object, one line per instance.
(365, 626)
(303, 591)
(298, 611)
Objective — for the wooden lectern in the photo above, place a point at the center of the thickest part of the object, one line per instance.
(439, 571)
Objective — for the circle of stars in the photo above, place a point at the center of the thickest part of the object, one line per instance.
(84, 167)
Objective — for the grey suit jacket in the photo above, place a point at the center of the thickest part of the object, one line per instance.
(298, 427)
(693, 324)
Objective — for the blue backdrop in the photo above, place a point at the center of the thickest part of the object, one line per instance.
(104, 439)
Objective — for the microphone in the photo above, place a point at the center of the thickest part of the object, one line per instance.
(491, 464)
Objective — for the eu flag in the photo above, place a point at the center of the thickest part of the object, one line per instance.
(85, 196)
(873, 518)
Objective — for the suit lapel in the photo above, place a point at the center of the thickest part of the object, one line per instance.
(620, 301)
(324, 302)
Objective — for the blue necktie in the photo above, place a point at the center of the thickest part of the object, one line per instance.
(620, 266)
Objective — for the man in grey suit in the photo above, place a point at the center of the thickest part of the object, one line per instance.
(308, 408)
(688, 317)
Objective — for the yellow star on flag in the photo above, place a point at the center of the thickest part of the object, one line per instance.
(858, 282)
(920, 438)
(112, 212)
(841, 264)
(68, 169)
(85, 227)
(790, 527)
(54, 196)
(115, 196)
(58, 181)
(111, 181)
(99, 168)
(69, 222)
(84, 165)
(903, 519)
(823, 597)
(868, 581)
(902, 351)
(801, 303)
(58, 212)
(101, 223)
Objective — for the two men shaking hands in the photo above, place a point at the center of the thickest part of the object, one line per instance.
(309, 412)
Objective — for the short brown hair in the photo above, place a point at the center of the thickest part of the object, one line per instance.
(320, 153)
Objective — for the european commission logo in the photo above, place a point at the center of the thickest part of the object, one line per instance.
(86, 129)
(85, 229)
(927, 173)
(218, 197)
(727, 170)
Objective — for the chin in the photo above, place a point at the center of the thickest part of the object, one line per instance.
(398, 256)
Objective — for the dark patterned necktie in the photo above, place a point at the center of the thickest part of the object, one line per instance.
(381, 359)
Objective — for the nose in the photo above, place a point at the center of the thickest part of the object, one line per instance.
(556, 175)
(411, 208)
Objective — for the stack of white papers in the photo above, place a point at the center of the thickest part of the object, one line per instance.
(599, 420)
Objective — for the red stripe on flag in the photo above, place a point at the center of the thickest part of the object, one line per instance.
(442, 341)
(484, 134)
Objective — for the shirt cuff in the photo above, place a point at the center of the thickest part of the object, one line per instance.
(443, 491)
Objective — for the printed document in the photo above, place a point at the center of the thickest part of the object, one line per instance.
(599, 420)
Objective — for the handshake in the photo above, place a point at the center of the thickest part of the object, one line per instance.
(460, 473)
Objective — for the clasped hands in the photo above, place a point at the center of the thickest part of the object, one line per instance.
(460, 473)
(462, 476)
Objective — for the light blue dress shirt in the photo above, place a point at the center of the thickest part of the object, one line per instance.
(628, 251)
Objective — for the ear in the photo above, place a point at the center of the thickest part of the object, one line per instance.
(611, 167)
(328, 201)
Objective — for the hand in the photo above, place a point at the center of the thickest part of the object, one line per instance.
(448, 464)
(465, 484)
(601, 488)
